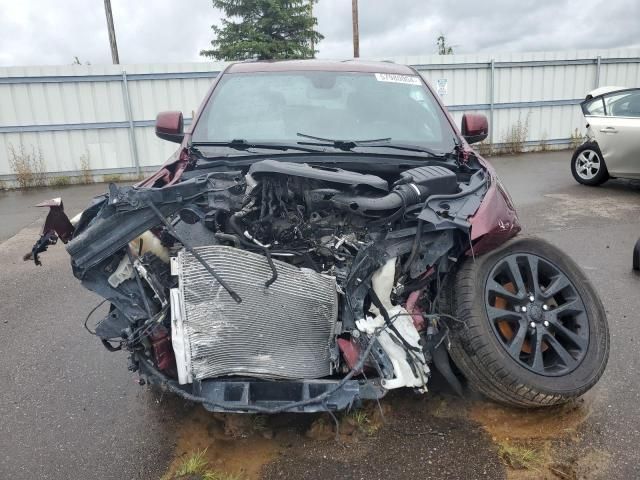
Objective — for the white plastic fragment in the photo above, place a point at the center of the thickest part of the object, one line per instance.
(405, 376)
(397, 353)
(124, 271)
(180, 346)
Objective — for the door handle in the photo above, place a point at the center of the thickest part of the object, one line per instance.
(608, 130)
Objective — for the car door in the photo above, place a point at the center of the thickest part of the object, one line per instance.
(614, 122)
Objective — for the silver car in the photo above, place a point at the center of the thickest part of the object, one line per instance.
(612, 146)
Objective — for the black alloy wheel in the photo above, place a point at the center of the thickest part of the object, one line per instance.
(537, 314)
(529, 328)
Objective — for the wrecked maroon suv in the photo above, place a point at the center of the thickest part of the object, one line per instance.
(325, 234)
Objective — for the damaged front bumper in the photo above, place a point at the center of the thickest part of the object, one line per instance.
(268, 396)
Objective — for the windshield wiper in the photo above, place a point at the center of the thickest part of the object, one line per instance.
(349, 145)
(241, 144)
(346, 145)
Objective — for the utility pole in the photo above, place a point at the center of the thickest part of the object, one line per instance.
(356, 32)
(112, 32)
(313, 46)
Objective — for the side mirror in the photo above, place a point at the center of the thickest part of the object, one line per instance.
(170, 126)
(475, 127)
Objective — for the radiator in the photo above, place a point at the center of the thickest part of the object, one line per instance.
(283, 331)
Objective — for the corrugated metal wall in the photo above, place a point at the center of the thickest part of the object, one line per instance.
(540, 89)
(71, 113)
(77, 112)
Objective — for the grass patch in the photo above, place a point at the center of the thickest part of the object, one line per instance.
(576, 139)
(363, 422)
(259, 423)
(194, 464)
(61, 181)
(195, 467)
(513, 141)
(28, 166)
(543, 146)
(520, 457)
(484, 148)
(112, 178)
(85, 168)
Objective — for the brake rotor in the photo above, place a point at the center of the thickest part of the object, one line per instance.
(505, 327)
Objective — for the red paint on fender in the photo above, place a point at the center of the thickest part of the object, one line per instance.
(496, 220)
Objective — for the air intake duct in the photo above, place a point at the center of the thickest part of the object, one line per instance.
(414, 186)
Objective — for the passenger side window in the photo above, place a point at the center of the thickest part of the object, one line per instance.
(623, 104)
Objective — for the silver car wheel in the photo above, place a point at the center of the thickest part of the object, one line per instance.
(588, 164)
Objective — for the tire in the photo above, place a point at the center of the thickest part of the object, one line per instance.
(636, 256)
(596, 172)
(480, 352)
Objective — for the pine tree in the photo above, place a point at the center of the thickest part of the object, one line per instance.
(267, 29)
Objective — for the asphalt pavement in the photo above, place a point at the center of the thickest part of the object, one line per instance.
(17, 209)
(70, 410)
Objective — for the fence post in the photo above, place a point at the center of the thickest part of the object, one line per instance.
(491, 100)
(598, 62)
(132, 131)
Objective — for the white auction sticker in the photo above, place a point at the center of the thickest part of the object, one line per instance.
(397, 78)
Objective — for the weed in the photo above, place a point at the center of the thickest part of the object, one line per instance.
(259, 423)
(514, 139)
(519, 457)
(85, 168)
(113, 178)
(363, 423)
(3, 185)
(361, 418)
(484, 148)
(194, 467)
(28, 167)
(61, 181)
(543, 146)
(194, 464)
(576, 139)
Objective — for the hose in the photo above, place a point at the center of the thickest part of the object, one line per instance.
(233, 222)
(407, 194)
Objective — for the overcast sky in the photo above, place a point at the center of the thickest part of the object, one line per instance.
(45, 32)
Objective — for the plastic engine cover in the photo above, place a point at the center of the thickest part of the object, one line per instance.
(438, 180)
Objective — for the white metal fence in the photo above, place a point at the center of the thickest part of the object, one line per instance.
(103, 115)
